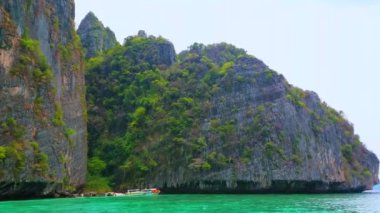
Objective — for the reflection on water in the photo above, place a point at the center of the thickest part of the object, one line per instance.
(364, 202)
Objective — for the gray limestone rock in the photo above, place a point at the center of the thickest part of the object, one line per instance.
(42, 126)
(142, 33)
(95, 37)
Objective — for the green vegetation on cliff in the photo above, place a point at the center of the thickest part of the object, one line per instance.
(211, 112)
(32, 64)
(141, 112)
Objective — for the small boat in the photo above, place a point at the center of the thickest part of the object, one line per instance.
(152, 191)
(114, 194)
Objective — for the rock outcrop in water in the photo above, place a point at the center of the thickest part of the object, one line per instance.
(96, 39)
(43, 132)
(214, 120)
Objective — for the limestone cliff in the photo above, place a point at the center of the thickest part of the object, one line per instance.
(42, 110)
(264, 135)
(215, 120)
(96, 38)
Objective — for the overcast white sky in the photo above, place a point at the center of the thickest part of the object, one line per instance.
(328, 46)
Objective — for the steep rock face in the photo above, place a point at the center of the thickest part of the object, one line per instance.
(96, 38)
(216, 121)
(43, 130)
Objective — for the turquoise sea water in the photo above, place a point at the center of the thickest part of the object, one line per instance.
(365, 202)
(377, 187)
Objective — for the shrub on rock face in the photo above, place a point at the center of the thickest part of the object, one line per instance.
(347, 152)
(3, 153)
